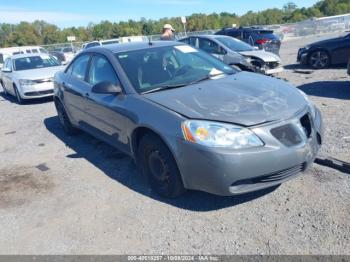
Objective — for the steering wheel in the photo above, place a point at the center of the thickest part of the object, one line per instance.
(182, 70)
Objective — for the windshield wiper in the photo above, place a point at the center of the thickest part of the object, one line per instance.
(167, 87)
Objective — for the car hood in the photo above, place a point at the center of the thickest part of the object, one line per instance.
(39, 73)
(244, 98)
(265, 56)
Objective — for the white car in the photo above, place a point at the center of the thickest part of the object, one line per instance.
(9, 51)
(28, 76)
(100, 43)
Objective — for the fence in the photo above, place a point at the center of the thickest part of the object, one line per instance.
(286, 32)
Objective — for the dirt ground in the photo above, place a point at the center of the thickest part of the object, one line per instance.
(77, 195)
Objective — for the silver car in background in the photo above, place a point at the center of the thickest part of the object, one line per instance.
(28, 76)
(227, 48)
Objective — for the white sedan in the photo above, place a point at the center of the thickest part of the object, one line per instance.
(28, 76)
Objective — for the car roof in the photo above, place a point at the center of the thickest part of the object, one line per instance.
(27, 55)
(124, 47)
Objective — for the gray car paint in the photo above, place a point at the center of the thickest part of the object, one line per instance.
(244, 98)
(203, 168)
(233, 57)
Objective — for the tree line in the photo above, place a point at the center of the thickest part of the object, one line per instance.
(43, 33)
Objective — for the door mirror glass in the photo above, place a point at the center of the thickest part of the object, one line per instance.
(6, 70)
(106, 88)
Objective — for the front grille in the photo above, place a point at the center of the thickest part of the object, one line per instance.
(272, 65)
(40, 81)
(38, 93)
(306, 124)
(273, 177)
(287, 135)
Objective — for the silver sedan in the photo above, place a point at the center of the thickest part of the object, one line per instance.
(28, 76)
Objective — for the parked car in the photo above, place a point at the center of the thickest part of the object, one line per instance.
(100, 43)
(28, 76)
(189, 120)
(9, 51)
(64, 54)
(324, 53)
(235, 52)
(261, 38)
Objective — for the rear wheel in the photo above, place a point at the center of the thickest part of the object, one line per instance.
(20, 100)
(319, 59)
(64, 119)
(159, 166)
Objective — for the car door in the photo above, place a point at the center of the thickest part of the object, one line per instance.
(7, 76)
(75, 86)
(104, 112)
(212, 48)
(341, 51)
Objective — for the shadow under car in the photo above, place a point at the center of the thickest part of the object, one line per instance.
(121, 168)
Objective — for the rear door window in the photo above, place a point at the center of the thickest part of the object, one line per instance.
(79, 67)
(1, 58)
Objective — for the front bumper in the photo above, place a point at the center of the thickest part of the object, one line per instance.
(273, 71)
(302, 56)
(37, 90)
(225, 171)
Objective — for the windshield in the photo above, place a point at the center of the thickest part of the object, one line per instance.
(35, 62)
(234, 44)
(153, 68)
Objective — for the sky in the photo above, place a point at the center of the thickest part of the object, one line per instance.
(66, 13)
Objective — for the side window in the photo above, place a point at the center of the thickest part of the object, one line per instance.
(208, 46)
(28, 51)
(35, 51)
(193, 41)
(79, 66)
(186, 40)
(8, 64)
(101, 70)
(234, 33)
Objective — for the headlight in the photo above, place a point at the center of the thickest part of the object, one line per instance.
(310, 104)
(26, 82)
(213, 134)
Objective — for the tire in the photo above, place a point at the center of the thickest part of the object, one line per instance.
(158, 165)
(66, 124)
(20, 100)
(319, 59)
(3, 88)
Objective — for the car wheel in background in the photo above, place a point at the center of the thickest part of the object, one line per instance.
(64, 119)
(159, 166)
(20, 100)
(319, 59)
(3, 89)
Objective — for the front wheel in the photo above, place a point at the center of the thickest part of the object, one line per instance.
(20, 100)
(64, 119)
(3, 88)
(319, 59)
(159, 166)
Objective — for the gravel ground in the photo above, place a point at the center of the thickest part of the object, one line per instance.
(76, 195)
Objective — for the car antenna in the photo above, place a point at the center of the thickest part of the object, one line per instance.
(150, 41)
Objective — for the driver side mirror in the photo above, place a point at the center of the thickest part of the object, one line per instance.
(106, 87)
(6, 70)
